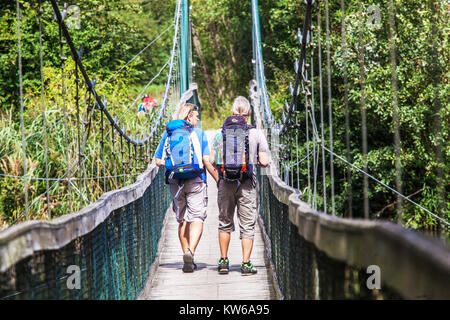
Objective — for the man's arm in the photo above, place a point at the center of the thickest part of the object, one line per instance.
(212, 171)
(263, 150)
(212, 155)
(263, 159)
(160, 151)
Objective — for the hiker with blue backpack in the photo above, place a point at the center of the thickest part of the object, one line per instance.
(184, 151)
(236, 152)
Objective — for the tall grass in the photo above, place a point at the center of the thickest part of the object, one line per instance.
(62, 145)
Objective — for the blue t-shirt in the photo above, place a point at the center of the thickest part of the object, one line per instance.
(204, 146)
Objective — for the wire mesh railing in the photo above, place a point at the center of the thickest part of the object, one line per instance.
(320, 256)
(111, 261)
(304, 272)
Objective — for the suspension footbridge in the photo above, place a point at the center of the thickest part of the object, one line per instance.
(119, 234)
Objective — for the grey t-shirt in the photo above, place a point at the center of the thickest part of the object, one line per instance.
(256, 143)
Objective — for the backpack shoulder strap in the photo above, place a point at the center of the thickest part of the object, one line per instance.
(195, 140)
(166, 148)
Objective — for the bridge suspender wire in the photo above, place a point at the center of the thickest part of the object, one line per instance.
(362, 77)
(324, 177)
(77, 105)
(44, 122)
(22, 126)
(330, 110)
(437, 110)
(397, 141)
(63, 90)
(312, 113)
(172, 55)
(347, 118)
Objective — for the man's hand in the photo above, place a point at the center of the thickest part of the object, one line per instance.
(211, 169)
(263, 159)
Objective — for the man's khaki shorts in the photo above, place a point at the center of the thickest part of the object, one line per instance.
(192, 200)
(244, 198)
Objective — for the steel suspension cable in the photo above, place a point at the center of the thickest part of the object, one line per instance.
(438, 107)
(44, 122)
(63, 89)
(77, 105)
(347, 117)
(330, 110)
(22, 125)
(394, 83)
(362, 77)
(319, 26)
(307, 148)
(313, 121)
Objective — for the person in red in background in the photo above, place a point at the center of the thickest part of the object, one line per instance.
(147, 106)
(150, 102)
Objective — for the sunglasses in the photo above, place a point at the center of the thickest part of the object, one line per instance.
(193, 108)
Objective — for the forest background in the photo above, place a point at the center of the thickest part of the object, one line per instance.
(112, 32)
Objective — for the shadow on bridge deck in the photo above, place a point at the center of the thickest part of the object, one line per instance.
(169, 281)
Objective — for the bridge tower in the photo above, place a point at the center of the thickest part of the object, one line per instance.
(185, 48)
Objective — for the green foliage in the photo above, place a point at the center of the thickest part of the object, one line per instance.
(111, 33)
(223, 70)
(423, 94)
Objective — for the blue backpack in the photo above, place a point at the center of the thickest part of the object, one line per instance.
(183, 151)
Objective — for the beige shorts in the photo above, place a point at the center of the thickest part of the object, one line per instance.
(244, 198)
(191, 202)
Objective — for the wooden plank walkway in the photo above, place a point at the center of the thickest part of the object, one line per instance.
(169, 282)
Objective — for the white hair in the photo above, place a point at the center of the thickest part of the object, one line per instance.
(241, 106)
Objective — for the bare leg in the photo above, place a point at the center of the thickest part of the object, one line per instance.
(224, 241)
(183, 235)
(247, 246)
(195, 233)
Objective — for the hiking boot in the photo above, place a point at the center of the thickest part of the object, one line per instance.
(224, 266)
(247, 269)
(188, 260)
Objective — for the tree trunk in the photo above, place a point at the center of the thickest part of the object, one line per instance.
(216, 46)
(208, 81)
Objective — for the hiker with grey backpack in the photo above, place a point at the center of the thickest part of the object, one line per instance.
(184, 151)
(236, 152)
